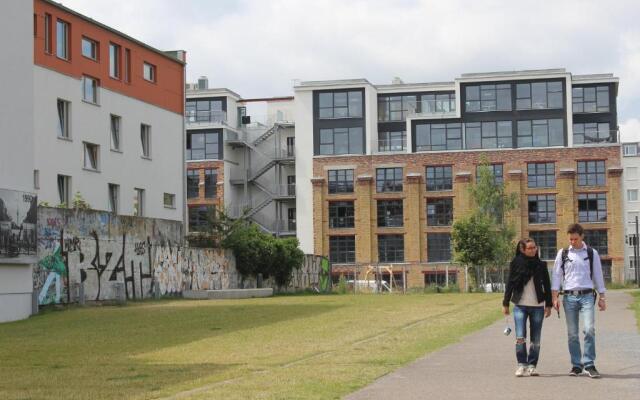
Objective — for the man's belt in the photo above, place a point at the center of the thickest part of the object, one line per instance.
(577, 292)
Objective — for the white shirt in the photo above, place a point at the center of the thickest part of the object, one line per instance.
(577, 275)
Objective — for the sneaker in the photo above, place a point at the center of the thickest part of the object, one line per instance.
(592, 372)
(532, 371)
(575, 371)
(520, 371)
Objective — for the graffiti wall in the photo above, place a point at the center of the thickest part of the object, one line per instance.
(18, 214)
(315, 273)
(99, 250)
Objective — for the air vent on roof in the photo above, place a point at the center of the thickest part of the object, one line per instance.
(396, 81)
(203, 83)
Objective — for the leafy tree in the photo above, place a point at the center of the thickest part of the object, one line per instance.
(286, 257)
(473, 242)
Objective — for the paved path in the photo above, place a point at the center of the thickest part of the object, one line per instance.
(482, 366)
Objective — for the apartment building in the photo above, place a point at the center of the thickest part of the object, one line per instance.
(240, 157)
(383, 170)
(109, 117)
(631, 188)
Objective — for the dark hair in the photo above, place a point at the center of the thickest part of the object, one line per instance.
(522, 244)
(575, 228)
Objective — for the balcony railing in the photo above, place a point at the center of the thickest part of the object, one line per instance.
(420, 108)
(393, 144)
(205, 117)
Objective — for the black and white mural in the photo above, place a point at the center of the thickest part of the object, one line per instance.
(18, 227)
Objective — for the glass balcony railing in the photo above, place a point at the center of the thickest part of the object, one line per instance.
(393, 144)
(205, 117)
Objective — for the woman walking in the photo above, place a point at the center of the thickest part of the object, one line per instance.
(529, 289)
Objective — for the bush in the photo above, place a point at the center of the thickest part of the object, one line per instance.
(342, 285)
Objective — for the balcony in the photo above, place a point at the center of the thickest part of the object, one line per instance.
(393, 144)
(205, 118)
(421, 109)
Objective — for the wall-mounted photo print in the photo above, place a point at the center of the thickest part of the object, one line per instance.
(18, 219)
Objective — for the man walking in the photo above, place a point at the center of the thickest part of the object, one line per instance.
(579, 271)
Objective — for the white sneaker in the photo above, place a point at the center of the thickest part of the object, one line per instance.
(532, 371)
(520, 371)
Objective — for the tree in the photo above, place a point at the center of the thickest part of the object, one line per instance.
(286, 257)
(473, 242)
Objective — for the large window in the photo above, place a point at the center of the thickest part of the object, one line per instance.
(596, 132)
(205, 110)
(439, 278)
(341, 214)
(438, 103)
(193, 183)
(541, 133)
(198, 218)
(114, 61)
(539, 95)
(64, 112)
(62, 39)
(541, 175)
(591, 173)
(335, 141)
(488, 98)
(390, 213)
(395, 108)
(438, 247)
(90, 48)
(391, 248)
(340, 181)
(431, 137)
(440, 212)
(342, 249)
(90, 89)
(542, 209)
(592, 207)
(389, 180)
(392, 141)
(590, 99)
(598, 240)
(496, 171)
(203, 146)
(340, 105)
(489, 135)
(546, 242)
(210, 183)
(439, 178)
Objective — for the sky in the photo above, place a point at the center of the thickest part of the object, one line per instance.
(257, 48)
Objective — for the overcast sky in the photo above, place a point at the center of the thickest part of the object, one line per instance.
(258, 47)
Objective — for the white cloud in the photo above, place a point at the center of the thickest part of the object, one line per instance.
(257, 47)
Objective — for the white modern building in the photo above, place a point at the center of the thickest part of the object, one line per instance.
(631, 190)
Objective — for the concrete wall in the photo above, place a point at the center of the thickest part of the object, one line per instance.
(16, 139)
(304, 169)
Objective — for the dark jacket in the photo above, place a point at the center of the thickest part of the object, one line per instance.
(540, 281)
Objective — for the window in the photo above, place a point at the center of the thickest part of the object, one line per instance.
(392, 141)
(336, 141)
(630, 240)
(138, 203)
(390, 213)
(395, 108)
(541, 175)
(169, 200)
(341, 214)
(590, 99)
(149, 72)
(291, 219)
(388, 180)
(114, 61)
(64, 190)
(592, 207)
(36, 179)
(145, 140)
(439, 178)
(546, 242)
(90, 48)
(489, 135)
(114, 198)
(199, 218)
(630, 149)
(340, 105)
(390, 248)
(205, 110)
(438, 103)
(541, 133)
(631, 173)
(210, 183)
(488, 98)
(115, 132)
(62, 39)
(632, 195)
(291, 185)
(598, 240)
(539, 95)
(438, 247)
(433, 137)
(63, 118)
(193, 183)
(496, 172)
(90, 89)
(342, 249)
(591, 173)
(47, 33)
(291, 146)
(542, 209)
(439, 278)
(127, 65)
(593, 133)
(439, 212)
(203, 146)
(606, 270)
(91, 154)
(340, 181)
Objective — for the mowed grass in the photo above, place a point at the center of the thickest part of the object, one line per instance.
(291, 347)
(636, 306)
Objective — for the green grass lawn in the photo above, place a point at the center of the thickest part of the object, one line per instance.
(311, 347)
(636, 306)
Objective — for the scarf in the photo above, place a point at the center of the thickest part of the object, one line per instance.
(523, 268)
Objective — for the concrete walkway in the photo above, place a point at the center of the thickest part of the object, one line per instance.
(482, 366)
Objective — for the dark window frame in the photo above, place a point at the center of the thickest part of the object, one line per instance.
(540, 172)
(426, 133)
(546, 242)
(388, 110)
(434, 102)
(579, 99)
(489, 131)
(389, 179)
(210, 183)
(349, 132)
(581, 129)
(592, 207)
(544, 208)
(498, 177)
(437, 251)
(342, 249)
(193, 183)
(439, 178)
(597, 239)
(485, 98)
(440, 211)
(346, 106)
(521, 98)
(337, 185)
(551, 141)
(211, 139)
(390, 213)
(198, 217)
(341, 214)
(388, 141)
(390, 248)
(591, 173)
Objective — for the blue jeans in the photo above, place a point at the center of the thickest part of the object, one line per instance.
(576, 307)
(535, 316)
